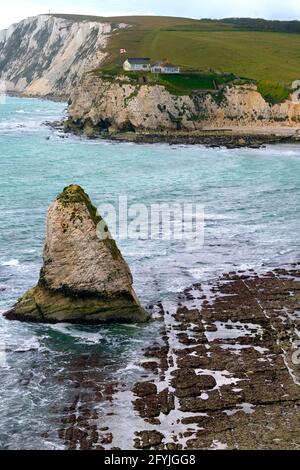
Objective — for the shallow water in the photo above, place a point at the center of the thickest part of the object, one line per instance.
(251, 200)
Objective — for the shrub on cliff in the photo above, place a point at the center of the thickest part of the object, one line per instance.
(273, 92)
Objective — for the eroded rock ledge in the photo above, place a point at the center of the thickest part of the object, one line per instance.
(228, 367)
(84, 279)
(220, 376)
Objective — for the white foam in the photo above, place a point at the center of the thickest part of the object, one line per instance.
(82, 336)
(236, 330)
(222, 377)
(247, 408)
(31, 344)
(204, 396)
(11, 263)
(218, 445)
(237, 348)
(131, 366)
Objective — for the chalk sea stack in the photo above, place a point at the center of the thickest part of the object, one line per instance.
(84, 279)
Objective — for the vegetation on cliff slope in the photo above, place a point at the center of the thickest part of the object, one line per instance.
(181, 84)
(187, 83)
(75, 194)
(273, 92)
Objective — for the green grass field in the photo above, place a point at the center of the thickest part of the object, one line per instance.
(181, 84)
(185, 83)
(203, 45)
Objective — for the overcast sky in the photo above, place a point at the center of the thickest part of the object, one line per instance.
(15, 10)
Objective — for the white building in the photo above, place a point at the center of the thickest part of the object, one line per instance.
(165, 67)
(137, 64)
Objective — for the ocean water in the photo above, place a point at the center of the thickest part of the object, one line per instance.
(251, 201)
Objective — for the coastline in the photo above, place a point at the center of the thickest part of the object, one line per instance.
(221, 365)
(209, 368)
(239, 137)
(158, 308)
(210, 139)
(230, 138)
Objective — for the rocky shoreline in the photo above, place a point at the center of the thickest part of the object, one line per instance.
(222, 374)
(211, 139)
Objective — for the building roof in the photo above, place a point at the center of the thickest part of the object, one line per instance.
(165, 63)
(139, 60)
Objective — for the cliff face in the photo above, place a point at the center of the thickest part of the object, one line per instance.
(47, 55)
(244, 106)
(84, 278)
(122, 105)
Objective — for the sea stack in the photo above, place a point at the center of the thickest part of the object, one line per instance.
(84, 278)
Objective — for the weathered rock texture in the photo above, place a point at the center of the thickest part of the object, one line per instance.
(223, 373)
(122, 105)
(46, 55)
(230, 359)
(84, 278)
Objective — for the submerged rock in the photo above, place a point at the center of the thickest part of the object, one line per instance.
(84, 278)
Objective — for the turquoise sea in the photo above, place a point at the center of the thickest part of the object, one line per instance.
(252, 206)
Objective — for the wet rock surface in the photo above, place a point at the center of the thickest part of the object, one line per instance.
(228, 365)
(211, 139)
(148, 439)
(225, 374)
(230, 140)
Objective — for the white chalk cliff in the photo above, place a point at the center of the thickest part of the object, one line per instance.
(47, 55)
(121, 105)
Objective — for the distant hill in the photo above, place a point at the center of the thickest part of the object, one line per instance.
(259, 24)
(251, 48)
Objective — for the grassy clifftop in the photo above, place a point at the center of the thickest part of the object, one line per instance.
(243, 48)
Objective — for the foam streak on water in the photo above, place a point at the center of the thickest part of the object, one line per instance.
(251, 200)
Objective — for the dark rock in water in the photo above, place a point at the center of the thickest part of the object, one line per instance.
(147, 439)
(142, 389)
(189, 384)
(224, 391)
(84, 278)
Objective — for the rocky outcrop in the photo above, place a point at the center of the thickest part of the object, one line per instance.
(47, 55)
(244, 106)
(84, 278)
(121, 105)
